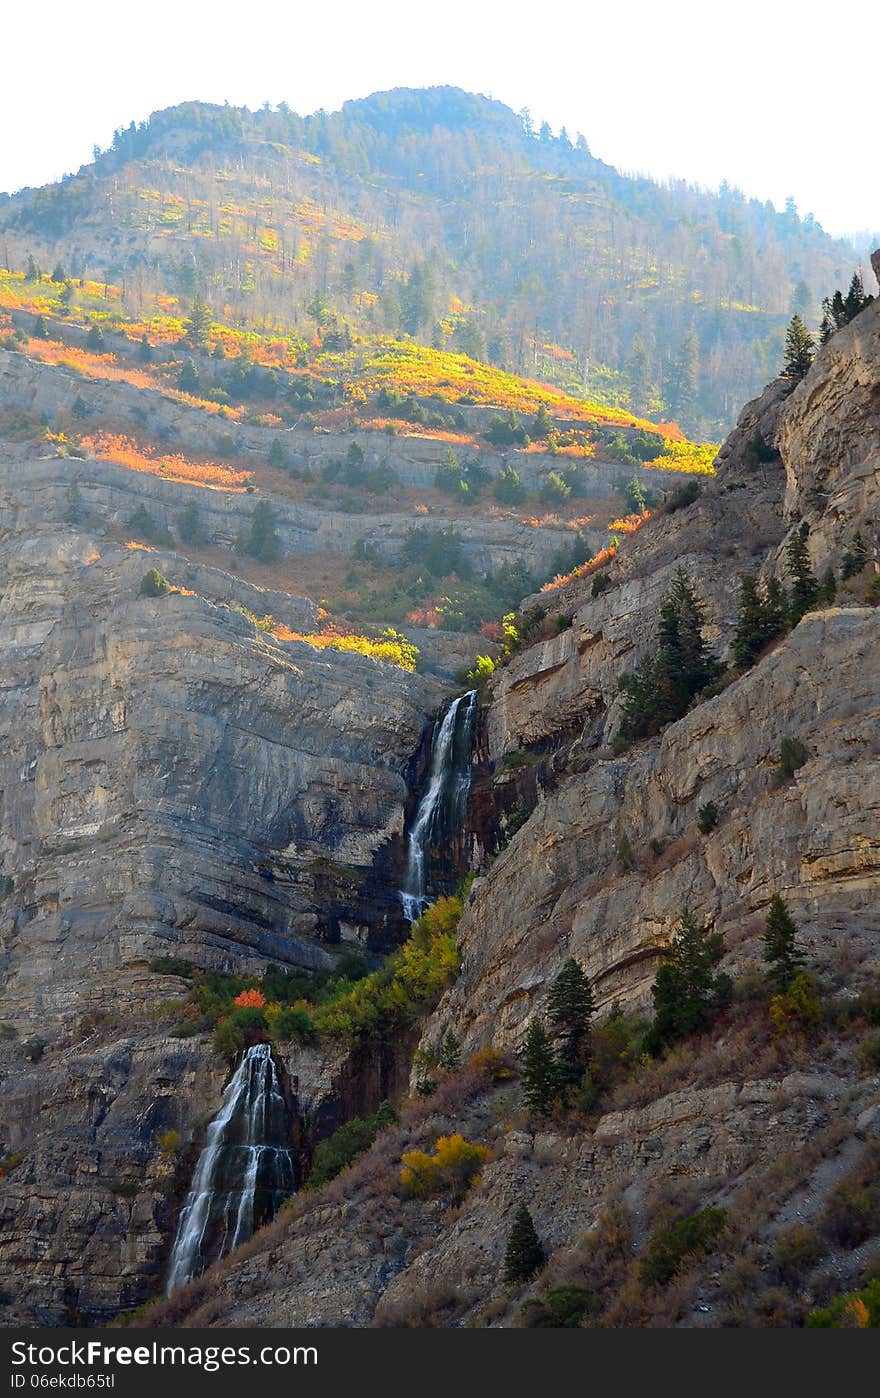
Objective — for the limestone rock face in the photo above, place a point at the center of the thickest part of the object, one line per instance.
(172, 776)
(560, 887)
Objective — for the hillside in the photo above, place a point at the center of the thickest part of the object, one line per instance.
(445, 218)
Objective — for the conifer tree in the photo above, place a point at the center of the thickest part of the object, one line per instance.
(799, 349)
(524, 1254)
(804, 586)
(855, 557)
(197, 324)
(262, 540)
(449, 1056)
(784, 957)
(570, 1006)
(827, 590)
(748, 636)
(540, 1071)
(687, 991)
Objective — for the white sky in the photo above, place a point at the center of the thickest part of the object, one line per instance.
(774, 95)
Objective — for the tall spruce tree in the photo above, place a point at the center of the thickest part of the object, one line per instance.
(524, 1254)
(687, 990)
(197, 324)
(662, 687)
(570, 1006)
(784, 956)
(804, 587)
(799, 350)
(748, 636)
(540, 1071)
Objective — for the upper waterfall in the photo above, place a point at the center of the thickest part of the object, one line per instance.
(441, 808)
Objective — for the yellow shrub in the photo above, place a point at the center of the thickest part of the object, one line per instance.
(455, 1165)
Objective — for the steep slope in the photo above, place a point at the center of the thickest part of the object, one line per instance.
(777, 1128)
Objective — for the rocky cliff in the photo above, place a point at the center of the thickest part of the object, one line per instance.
(772, 1130)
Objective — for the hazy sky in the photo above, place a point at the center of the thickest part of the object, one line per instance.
(754, 92)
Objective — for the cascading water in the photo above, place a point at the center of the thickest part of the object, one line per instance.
(244, 1172)
(441, 809)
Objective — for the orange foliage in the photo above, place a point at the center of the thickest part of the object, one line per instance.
(630, 523)
(125, 451)
(250, 1000)
(583, 570)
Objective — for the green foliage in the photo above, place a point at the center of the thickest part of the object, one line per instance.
(188, 380)
(262, 541)
(804, 587)
(541, 1078)
(668, 1249)
(707, 818)
(542, 425)
(506, 431)
(601, 583)
(799, 350)
(144, 526)
(171, 966)
(793, 754)
(635, 496)
(783, 955)
(153, 584)
(507, 488)
(827, 589)
(189, 526)
(662, 688)
(687, 991)
(570, 1007)
(853, 1310)
(797, 1009)
(438, 552)
(228, 1039)
(554, 490)
(838, 310)
(563, 1308)
(197, 325)
(410, 983)
(524, 1255)
(348, 1141)
(760, 619)
(852, 1212)
(797, 1250)
(855, 557)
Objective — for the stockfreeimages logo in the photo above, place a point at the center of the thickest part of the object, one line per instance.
(93, 1354)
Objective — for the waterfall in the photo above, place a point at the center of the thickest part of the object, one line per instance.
(244, 1172)
(441, 809)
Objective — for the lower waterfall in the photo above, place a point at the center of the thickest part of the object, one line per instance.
(244, 1172)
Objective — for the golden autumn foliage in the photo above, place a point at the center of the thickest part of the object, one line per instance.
(125, 451)
(455, 1165)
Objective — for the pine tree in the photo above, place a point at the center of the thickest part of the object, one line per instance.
(197, 325)
(687, 992)
(784, 957)
(188, 378)
(855, 557)
(262, 540)
(827, 588)
(799, 349)
(449, 1056)
(524, 1254)
(748, 636)
(661, 690)
(540, 1071)
(775, 609)
(804, 586)
(570, 1007)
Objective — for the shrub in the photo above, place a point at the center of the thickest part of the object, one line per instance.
(852, 1213)
(562, 1308)
(869, 1053)
(153, 584)
(250, 999)
(338, 1151)
(793, 754)
(668, 1248)
(169, 1142)
(707, 818)
(797, 1249)
(171, 966)
(601, 583)
(454, 1166)
(554, 490)
(854, 1310)
(33, 1049)
(482, 671)
(872, 592)
(796, 1010)
(228, 1039)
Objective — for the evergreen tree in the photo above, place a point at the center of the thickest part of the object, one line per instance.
(827, 588)
(197, 325)
(188, 378)
(799, 349)
(804, 587)
(748, 636)
(662, 687)
(262, 540)
(775, 607)
(542, 425)
(784, 957)
(41, 328)
(95, 339)
(570, 1007)
(145, 353)
(508, 488)
(449, 1056)
(687, 991)
(855, 557)
(524, 1254)
(540, 1071)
